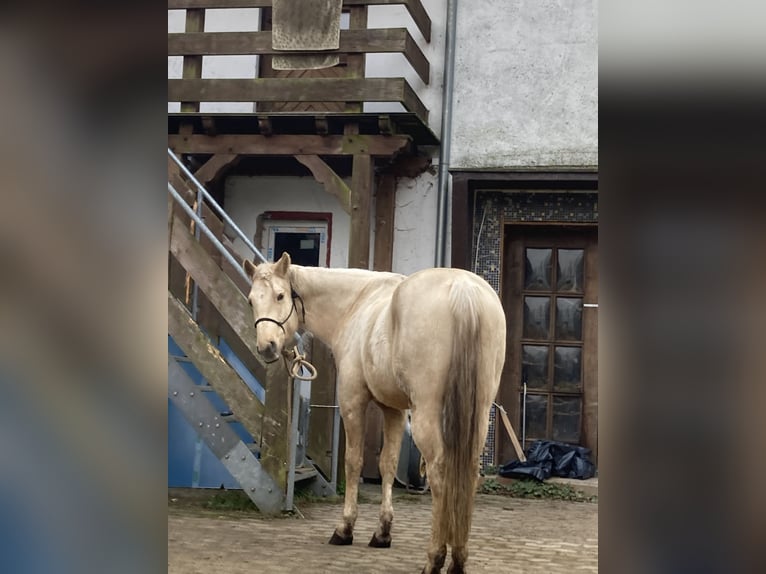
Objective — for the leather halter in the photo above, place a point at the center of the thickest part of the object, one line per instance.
(281, 323)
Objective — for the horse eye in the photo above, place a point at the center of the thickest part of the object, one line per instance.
(280, 296)
(249, 302)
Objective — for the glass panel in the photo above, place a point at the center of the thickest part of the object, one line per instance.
(566, 368)
(537, 315)
(534, 364)
(569, 270)
(568, 319)
(537, 273)
(566, 418)
(537, 415)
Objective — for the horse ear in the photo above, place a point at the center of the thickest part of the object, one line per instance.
(281, 266)
(249, 268)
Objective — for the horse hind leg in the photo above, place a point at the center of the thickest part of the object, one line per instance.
(459, 556)
(393, 431)
(427, 437)
(353, 421)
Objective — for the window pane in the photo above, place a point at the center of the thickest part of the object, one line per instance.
(537, 415)
(567, 363)
(568, 319)
(569, 270)
(537, 274)
(534, 364)
(566, 419)
(537, 315)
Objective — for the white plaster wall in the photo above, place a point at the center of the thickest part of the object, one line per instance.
(415, 223)
(247, 197)
(396, 65)
(526, 84)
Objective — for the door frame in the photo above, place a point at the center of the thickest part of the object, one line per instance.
(514, 237)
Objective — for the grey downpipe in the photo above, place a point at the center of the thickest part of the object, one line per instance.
(442, 204)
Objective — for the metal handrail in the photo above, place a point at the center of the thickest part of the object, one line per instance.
(206, 230)
(213, 203)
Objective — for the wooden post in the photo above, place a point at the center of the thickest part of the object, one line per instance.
(385, 205)
(192, 66)
(355, 65)
(361, 191)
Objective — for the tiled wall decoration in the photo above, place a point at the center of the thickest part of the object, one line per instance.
(495, 208)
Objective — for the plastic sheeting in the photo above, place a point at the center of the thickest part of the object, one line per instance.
(546, 458)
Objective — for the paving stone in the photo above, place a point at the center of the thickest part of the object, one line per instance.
(535, 536)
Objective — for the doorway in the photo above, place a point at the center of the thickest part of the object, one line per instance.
(550, 295)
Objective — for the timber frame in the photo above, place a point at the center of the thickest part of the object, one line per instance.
(307, 123)
(304, 123)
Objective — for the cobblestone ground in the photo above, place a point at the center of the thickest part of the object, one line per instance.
(509, 535)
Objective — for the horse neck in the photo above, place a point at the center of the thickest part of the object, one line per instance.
(328, 296)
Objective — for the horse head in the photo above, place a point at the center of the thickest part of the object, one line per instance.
(273, 303)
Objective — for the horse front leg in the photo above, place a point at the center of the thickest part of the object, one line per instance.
(393, 430)
(353, 421)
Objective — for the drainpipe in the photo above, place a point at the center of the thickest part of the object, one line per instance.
(442, 204)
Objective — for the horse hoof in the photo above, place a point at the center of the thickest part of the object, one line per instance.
(380, 542)
(338, 540)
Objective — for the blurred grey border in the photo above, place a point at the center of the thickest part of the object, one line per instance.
(82, 315)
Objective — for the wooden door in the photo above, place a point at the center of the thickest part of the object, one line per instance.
(550, 295)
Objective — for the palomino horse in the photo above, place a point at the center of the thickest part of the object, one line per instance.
(433, 342)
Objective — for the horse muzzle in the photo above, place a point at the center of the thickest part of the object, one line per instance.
(269, 351)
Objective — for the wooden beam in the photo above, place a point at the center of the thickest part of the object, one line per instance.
(297, 90)
(192, 65)
(211, 364)
(374, 145)
(325, 175)
(462, 227)
(222, 292)
(385, 207)
(214, 166)
(414, 7)
(355, 62)
(372, 41)
(361, 192)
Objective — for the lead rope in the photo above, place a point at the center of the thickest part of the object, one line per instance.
(298, 361)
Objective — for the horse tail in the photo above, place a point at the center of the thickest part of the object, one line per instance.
(460, 423)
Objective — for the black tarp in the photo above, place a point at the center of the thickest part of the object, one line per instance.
(546, 458)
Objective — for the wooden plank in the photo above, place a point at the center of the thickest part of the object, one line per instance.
(417, 58)
(385, 195)
(275, 438)
(355, 63)
(512, 435)
(412, 102)
(380, 40)
(332, 182)
(288, 90)
(214, 166)
(222, 292)
(414, 7)
(361, 196)
(192, 65)
(373, 145)
(209, 361)
(371, 41)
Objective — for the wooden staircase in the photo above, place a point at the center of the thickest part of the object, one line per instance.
(262, 464)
